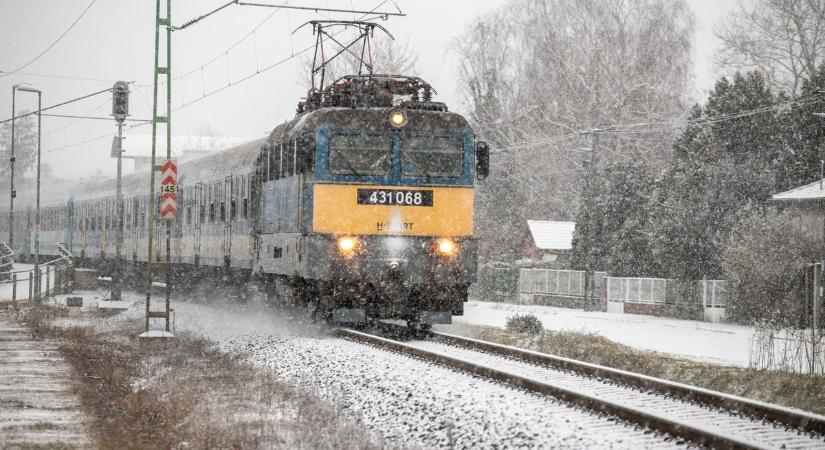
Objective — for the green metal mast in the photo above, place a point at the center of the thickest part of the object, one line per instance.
(163, 69)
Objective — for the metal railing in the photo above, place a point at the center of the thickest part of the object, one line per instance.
(57, 277)
(6, 261)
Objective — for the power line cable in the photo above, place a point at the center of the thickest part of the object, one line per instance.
(58, 105)
(59, 38)
(51, 75)
(70, 116)
(658, 127)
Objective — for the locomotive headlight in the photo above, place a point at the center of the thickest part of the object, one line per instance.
(348, 245)
(444, 247)
(398, 118)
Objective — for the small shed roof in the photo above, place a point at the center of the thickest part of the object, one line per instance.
(552, 235)
(810, 192)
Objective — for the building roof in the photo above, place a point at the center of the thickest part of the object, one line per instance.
(810, 192)
(551, 235)
(140, 145)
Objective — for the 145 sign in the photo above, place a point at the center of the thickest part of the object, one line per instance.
(169, 191)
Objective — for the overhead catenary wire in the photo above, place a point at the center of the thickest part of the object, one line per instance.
(59, 38)
(312, 8)
(57, 105)
(205, 95)
(282, 6)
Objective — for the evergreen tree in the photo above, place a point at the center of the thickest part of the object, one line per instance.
(804, 136)
(721, 163)
(612, 228)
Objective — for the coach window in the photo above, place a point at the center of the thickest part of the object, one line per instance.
(281, 161)
(243, 194)
(211, 198)
(201, 204)
(267, 162)
(287, 160)
(306, 154)
(142, 209)
(233, 204)
(211, 205)
(274, 162)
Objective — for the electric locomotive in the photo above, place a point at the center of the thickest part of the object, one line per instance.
(378, 223)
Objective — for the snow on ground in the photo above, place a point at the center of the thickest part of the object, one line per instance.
(408, 402)
(700, 341)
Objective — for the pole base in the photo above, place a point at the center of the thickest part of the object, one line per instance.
(155, 335)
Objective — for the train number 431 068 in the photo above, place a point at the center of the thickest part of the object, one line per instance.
(395, 197)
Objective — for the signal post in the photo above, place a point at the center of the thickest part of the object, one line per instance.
(120, 110)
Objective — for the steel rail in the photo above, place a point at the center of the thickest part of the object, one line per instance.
(759, 410)
(692, 433)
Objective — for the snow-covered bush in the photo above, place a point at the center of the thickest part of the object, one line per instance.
(524, 323)
(765, 262)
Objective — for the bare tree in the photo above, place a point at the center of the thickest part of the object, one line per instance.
(538, 74)
(784, 39)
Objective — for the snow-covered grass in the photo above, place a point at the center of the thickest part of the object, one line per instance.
(188, 393)
(794, 390)
(718, 343)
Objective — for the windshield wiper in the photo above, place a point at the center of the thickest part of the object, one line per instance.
(417, 166)
(349, 165)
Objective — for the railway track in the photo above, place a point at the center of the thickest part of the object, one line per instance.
(697, 415)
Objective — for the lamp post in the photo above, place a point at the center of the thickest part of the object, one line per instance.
(30, 88)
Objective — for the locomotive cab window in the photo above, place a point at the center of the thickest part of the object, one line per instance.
(360, 155)
(431, 156)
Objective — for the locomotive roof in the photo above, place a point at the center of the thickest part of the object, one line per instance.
(366, 119)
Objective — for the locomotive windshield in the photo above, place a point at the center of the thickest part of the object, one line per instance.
(360, 155)
(431, 156)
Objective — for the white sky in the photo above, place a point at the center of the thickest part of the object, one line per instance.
(115, 41)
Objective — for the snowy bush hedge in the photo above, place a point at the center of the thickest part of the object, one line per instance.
(524, 323)
(765, 262)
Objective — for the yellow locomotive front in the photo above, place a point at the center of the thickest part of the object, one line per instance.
(392, 201)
